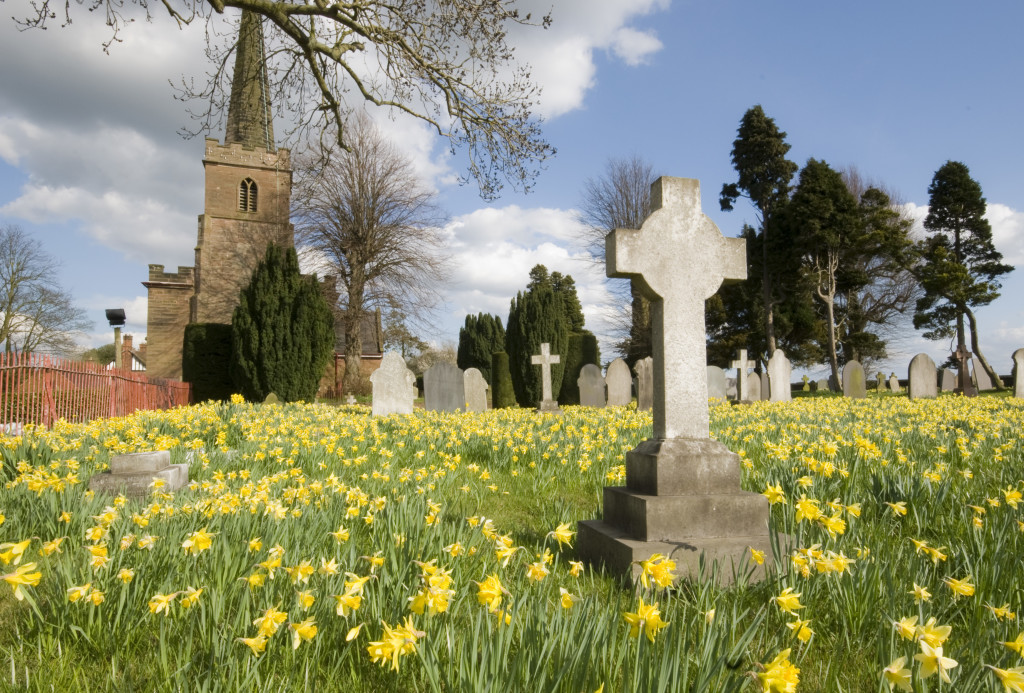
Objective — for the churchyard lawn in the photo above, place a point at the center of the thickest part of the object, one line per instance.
(336, 552)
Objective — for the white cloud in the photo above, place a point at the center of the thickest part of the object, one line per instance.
(1007, 232)
(635, 47)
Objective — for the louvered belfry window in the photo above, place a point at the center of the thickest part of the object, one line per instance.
(247, 195)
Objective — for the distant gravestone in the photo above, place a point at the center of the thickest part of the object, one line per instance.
(645, 384)
(981, 379)
(350, 399)
(717, 387)
(948, 380)
(272, 398)
(894, 383)
(620, 384)
(854, 384)
(921, 378)
(780, 371)
(730, 389)
(133, 474)
(591, 384)
(741, 364)
(753, 388)
(394, 387)
(444, 388)
(880, 383)
(545, 359)
(806, 387)
(765, 386)
(1018, 373)
(822, 385)
(476, 390)
(964, 383)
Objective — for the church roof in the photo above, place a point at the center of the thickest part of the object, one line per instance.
(250, 121)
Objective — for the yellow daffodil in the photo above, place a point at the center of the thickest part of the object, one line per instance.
(932, 660)
(960, 587)
(774, 494)
(788, 601)
(23, 576)
(303, 632)
(897, 675)
(1012, 679)
(257, 644)
(191, 597)
(898, 508)
(779, 675)
(395, 643)
(933, 634)
(270, 621)
(575, 568)
(198, 541)
(161, 603)
(563, 534)
(125, 575)
(13, 552)
(801, 629)
(647, 618)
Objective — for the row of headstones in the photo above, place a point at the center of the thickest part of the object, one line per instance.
(446, 387)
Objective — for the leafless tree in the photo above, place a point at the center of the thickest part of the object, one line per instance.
(36, 314)
(448, 63)
(373, 224)
(620, 198)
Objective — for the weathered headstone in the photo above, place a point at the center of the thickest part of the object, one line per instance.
(765, 386)
(880, 383)
(476, 390)
(731, 389)
(964, 384)
(753, 387)
(272, 398)
(134, 474)
(620, 384)
(444, 388)
(806, 387)
(683, 497)
(894, 383)
(716, 383)
(948, 380)
(741, 364)
(921, 378)
(854, 384)
(981, 379)
(591, 385)
(545, 359)
(645, 384)
(394, 387)
(1018, 373)
(822, 385)
(779, 374)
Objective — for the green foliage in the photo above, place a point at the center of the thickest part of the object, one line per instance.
(101, 354)
(479, 338)
(535, 316)
(502, 393)
(580, 350)
(282, 331)
(206, 361)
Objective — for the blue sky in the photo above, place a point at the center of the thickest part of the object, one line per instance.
(91, 164)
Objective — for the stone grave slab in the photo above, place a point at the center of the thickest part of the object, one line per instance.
(921, 378)
(1018, 373)
(948, 380)
(620, 384)
(476, 390)
(394, 387)
(591, 385)
(645, 384)
(894, 383)
(854, 384)
(742, 364)
(821, 385)
(731, 389)
(444, 388)
(780, 372)
(133, 474)
(717, 387)
(753, 387)
(981, 379)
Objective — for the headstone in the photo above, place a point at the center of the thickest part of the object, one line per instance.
(806, 387)
(272, 398)
(753, 387)
(964, 383)
(620, 384)
(591, 385)
(394, 387)
(779, 374)
(1018, 373)
(921, 378)
(716, 383)
(444, 388)
(645, 384)
(981, 379)
(730, 389)
(765, 386)
(880, 383)
(545, 359)
(476, 390)
(894, 383)
(854, 384)
(948, 380)
(682, 497)
(822, 385)
(835, 385)
(741, 364)
(133, 474)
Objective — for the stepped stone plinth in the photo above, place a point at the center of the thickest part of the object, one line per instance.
(133, 474)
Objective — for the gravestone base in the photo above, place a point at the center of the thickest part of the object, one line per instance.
(549, 406)
(133, 474)
(683, 500)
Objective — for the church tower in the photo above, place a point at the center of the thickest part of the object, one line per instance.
(247, 200)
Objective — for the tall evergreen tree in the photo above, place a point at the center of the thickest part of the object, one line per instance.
(479, 339)
(764, 175)
(535, 316)
(282, 331)
(960, 265)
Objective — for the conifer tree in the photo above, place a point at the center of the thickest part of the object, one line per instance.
(535, 316)
(480, 337)
(282, 331)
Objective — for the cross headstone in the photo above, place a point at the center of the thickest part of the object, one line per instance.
(806, 387)
(620, 385)
(880, 384)
(682, 497)
(854, 384)
(476, 390)
(894, 383)
(645, 384)
(741, 364)
(717, 386)
(1018, 373)
(350, 399)
(922, 381)
(591, 385)
(394, 387)
(780, 371)
(964, 384)
(545, 359)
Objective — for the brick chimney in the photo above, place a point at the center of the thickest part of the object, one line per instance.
(126, 352)
(142, 352)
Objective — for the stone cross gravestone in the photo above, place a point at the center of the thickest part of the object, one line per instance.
(133, 474)
(948, 380)
(444, 388)
(476, 390)
(964, 383)
(350, 399)
(880, 384)
(806, 387)
(682, 497)
(921, 378)
(982, 379)
(620, 385)
(894, 383)
(645, 384)
(854, 384)
(741, 364)
(716, 383)
(753, 387)
(1018, 373)
(545, 359)
(779, 374)
(394, 387)
(591, 385)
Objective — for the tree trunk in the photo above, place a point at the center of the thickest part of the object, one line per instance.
(353, 339)
(829, 300)
(977, 351)
(766, 292)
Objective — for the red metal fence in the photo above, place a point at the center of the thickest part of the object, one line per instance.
(43, 389)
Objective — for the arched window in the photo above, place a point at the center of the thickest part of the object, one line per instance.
(247, 195)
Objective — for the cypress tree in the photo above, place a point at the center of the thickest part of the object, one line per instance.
(502, 394)
(282, 331)
(480, 337)
(581, 349)
(535, 316)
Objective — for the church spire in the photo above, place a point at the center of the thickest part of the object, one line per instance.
(250, 121)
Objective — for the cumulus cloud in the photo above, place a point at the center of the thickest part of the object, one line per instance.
(1007, 228)
(635, 47)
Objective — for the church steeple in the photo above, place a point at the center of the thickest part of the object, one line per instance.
(250, 121)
